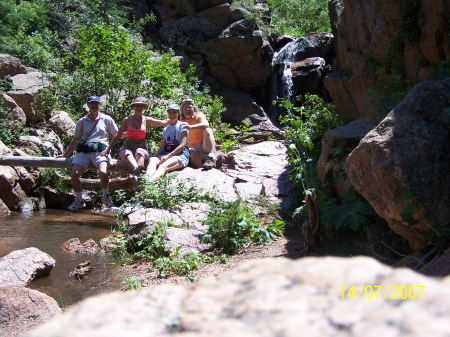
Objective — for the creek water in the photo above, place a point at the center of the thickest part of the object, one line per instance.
(47, 230)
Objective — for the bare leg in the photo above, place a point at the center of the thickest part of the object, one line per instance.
(152, 165)
(209, 142)
(140, 160)
(170, 164)
(194, 159)
(77, 170)
(103, 172)
(131, 162)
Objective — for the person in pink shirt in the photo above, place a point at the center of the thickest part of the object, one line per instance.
(134, 150)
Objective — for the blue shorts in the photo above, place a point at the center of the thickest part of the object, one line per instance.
(183, 156)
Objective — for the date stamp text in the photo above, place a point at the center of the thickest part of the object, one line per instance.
(383, 292)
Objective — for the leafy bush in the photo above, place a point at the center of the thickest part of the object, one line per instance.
(305, 127)
(299, 17)
(166, 192)
(232, 226)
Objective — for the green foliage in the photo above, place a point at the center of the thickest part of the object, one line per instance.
(8, 135)
(166, 192)
(352, 214)
(440, 71)
(288, 17)
(50, 178)
(299, 17)
(232, 226)
(185, 265)
(20, 18)
(132, 282)
(305, 127)
(391, 89)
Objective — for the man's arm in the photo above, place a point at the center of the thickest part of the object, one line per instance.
(70, 148)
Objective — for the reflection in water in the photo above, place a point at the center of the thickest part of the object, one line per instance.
(47, 230)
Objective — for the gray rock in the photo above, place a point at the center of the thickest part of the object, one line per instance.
(191, 214)
(20, 267)
(263, 164)
(271, 297)
(42, 140)
(62, 123)
(25, 92)
(23, 309)
(214, 182)
(188, 239)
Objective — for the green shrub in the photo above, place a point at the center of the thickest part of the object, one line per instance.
(232, 226)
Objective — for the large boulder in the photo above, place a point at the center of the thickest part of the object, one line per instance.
(240, 57)
(372, 34)
(23, 309)
(26, 90)
(11, 191)
(10, 66)
(271, 297)
(14, 113)
(402, 166)
(62, 124)
(20, 267)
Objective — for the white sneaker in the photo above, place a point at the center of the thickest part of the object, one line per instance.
(107, 201)
(76, 205)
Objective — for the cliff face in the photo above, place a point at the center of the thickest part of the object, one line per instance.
(376, 38)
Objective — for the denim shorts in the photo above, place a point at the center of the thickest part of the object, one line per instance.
(183, 156)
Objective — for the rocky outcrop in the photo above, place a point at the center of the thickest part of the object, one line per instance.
(272, 297)
(263, 164)
(10, 66)
(42, 142)
(25, 91)
(20, 267)
(401, 166)
(228, 51)
(23, 309)
(373, 34)
(62, 123)
(15, 113)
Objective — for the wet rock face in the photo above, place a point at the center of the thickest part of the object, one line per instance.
(270, 297)
(404, 161)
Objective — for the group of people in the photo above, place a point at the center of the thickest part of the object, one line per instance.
(186, 139)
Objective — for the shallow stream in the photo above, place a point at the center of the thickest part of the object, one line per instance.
(47, 230)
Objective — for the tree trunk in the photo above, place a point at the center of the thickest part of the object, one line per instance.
(117, 165)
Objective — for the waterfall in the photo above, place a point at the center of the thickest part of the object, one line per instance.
(281, 86)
